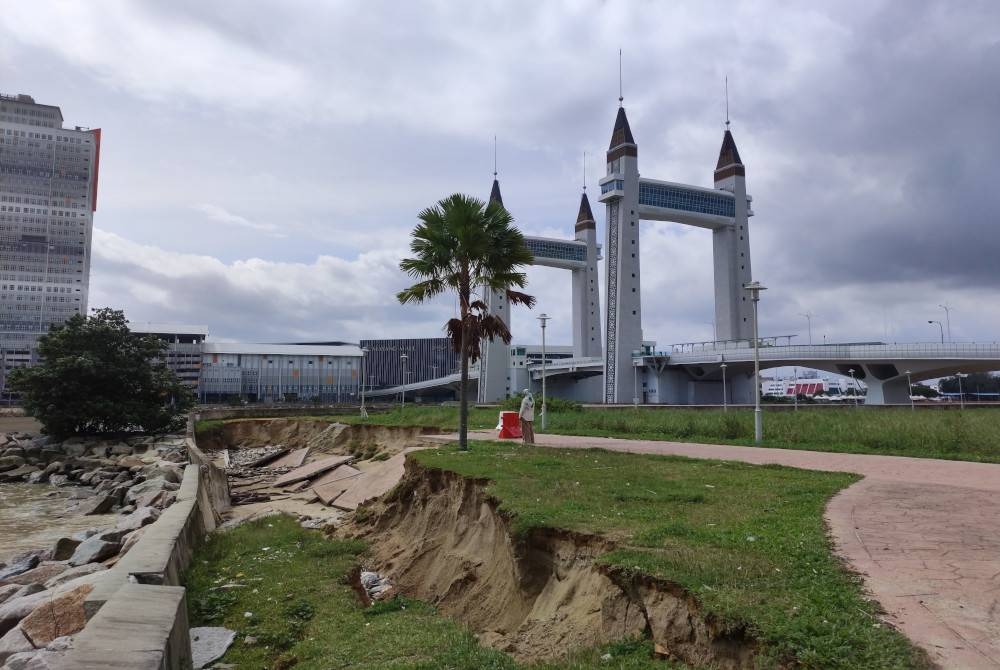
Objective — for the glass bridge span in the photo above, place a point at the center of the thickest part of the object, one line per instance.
(562, 252)
(687, 199)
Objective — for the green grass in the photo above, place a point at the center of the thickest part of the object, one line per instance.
(749, 541)
(305, 616)
(969, 435)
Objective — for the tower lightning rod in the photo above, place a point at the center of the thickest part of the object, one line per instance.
(584, 170)
(727, 102)
(494, 156)
(621, 97)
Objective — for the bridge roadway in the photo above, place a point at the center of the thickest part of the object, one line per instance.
(882, 367)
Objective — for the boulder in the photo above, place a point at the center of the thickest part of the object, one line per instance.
(75, 573)
(151, 499)
(40, 659)
(18, 473)
(15, 609)
(142, 488)
(63, 615)
(112, 535)
(7, 591)
(14, 642)
(99, 504)
(11, 462)
(58, 480)
(13, 451)
(64, 548)
(28, 589)
(82, 535)
(121, 449)
(138, 519)
(130, 541)
(20, 564)
(130, 462)
(53, 468)
(93, 549)
(60, 643)
(74, 450)
(40, 574)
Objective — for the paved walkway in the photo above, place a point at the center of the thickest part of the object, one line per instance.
(924, 533)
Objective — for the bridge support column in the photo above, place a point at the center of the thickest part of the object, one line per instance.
(894, 391)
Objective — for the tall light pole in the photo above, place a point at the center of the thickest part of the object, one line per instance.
(961, 395)
(795, 386)
(542, 318)
(364, 412)
(909, 387)
(809, 322)
(854, 387)
(947, 318)
(402, 361)
(939, 326)
(725, 399)
(755, 288)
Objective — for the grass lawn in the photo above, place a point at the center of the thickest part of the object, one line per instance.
(748, 540)
(304, 616)
(969, 435)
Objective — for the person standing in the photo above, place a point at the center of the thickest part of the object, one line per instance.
(527, 416)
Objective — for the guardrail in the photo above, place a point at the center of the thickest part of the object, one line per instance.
(829, 352)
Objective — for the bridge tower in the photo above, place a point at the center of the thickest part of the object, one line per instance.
(494, 367)
(731, 249)
(623, 325)
(586, 290)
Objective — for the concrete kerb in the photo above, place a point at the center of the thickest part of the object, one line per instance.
(137, 611)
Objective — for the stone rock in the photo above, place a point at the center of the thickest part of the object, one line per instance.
(130, 541)
(74, 573)
(40, 574)
(130, 462)
(138, 519)
(10, 462)
(121, 477)
(7, 592)
(15, 609)
(32, 660)
(120, 491)
(64, 548)
(142, 488)
(13, 451)
(60, 643)
(53, 468)
(112, 535)
(58, 480)
(50, 454)
(151, 499)
(99, 504)
(80, 494)
(63, 615)
(82, 535)
(14, 642)
(74, 450)
(20, 564)
(28, 589)
(209, 643)
(18, 473)
(93, 549)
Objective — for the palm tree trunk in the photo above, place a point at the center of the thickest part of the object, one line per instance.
(463, 397)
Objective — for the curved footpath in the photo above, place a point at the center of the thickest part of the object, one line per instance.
(924, 533)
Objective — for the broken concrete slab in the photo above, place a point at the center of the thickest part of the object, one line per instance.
(330, 492)
(293, 459)
(209, 643)
(337, 474)
(312, 470)
(372, 483)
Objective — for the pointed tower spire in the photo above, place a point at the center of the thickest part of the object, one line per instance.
(585, 218)
(729, 159)
(495, 191)
(621, 134)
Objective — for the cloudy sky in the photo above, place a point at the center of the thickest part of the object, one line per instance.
(263, 163)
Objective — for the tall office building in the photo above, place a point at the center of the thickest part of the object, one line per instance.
(48, 194)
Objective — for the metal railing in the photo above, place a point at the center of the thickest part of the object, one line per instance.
(828, 352)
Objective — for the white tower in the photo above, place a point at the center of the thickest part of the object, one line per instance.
(494, 368)
(731, 250)
(586, 291)
(623, 325)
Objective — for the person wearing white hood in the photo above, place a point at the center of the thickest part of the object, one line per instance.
(527, 416)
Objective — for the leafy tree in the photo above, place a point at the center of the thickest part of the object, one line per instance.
(462, 245)
(923, 391)
(975, 382)
(98, 377)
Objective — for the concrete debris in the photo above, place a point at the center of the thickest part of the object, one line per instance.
(312, 469)
(209, 643)
(378, 587)
(293, 459)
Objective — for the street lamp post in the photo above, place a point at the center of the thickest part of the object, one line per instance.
(909, 388)
(939, 326)
(542, 318)
(364, 412)
(854, 387)
(961, 394)
(947, 318)
(795, 387)
(725, 399)
(758, 426)
(809, 322)
(402, 360)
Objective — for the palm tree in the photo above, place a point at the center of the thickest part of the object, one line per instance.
(463, 245)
